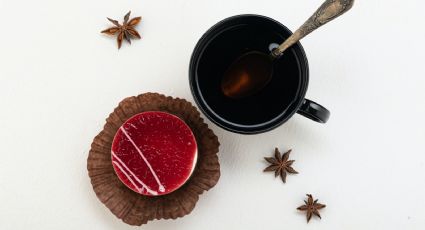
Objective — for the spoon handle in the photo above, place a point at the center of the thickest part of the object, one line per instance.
(328, 11)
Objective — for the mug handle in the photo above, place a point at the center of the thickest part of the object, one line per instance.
(314, 111)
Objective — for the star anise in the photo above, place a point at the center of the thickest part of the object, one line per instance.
(312, 207)
(280, 164)
(126, 30)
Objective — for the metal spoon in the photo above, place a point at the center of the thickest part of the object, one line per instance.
(252, 71)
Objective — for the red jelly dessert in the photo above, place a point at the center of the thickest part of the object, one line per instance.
(154, 153)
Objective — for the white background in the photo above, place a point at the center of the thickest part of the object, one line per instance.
(60, 78)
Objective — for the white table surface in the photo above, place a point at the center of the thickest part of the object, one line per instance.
(60, 78)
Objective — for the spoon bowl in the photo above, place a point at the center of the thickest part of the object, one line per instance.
(247, 75)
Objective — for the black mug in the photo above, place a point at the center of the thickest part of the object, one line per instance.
(278, 101)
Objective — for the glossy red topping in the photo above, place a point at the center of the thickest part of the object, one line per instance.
(154, 153)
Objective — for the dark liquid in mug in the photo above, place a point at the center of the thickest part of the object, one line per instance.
(263, 106)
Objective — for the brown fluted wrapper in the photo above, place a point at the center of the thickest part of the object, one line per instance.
(136, 209)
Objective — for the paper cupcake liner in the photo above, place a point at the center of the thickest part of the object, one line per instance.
(136, 209)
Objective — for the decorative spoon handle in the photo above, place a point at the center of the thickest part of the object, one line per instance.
(328, 11)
